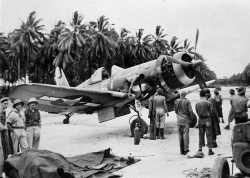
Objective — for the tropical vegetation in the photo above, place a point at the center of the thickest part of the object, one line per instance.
(80, 48)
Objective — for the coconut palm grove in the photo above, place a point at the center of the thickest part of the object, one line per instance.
(80, 48)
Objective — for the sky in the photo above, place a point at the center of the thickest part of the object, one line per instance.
(224, 25)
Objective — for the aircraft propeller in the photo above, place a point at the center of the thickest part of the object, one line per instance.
(198, 77)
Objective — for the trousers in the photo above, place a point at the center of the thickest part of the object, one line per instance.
(160, 117)
(183, 133)
(19, 137)
(33, 136)
(205, 128)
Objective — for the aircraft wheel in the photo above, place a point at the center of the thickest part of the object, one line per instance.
(142, 126)
(66, 121)
(220, 168)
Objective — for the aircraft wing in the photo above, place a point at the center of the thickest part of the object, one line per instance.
(55, 99)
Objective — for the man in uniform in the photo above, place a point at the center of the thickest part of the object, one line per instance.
(231, 113)
(239, 106)
(16, 124)
(183, 110)
(158, 103)
(203, 109)
(215, 126)
(33, 124)
(218, 103)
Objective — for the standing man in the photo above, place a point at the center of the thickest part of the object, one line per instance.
(215, 126)
(159, 103)
(218, 103)
(239, 106)
(16, 124)
(203, 109)
(33, 124)
(231, 113)
(4, 132)
(183, 110)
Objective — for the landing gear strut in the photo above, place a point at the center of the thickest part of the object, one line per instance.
(66, 120)
(143, 127)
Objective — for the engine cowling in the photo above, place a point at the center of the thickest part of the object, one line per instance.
(172, 75)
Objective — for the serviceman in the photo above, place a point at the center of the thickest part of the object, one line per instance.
(16, 124)
(33, 124)
(183, 110)
(231, 113)
(239, 106)
(218, 103)
(203, 109)
(159, 103)
(3, 124)
(215, 126)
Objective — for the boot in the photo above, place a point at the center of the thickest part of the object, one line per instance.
(210, 152)
(157, 133)
(162, 133)
(214, 144)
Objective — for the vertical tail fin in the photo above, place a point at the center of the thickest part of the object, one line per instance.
(60, 78)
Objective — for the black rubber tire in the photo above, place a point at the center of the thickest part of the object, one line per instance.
(220, 168)
(66, 121)
(142, 126)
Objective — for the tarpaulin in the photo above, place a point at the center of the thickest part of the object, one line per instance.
(47, 164)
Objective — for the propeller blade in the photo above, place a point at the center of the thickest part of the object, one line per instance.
(196, 41)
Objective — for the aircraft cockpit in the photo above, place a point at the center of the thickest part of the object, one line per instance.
(99, 75)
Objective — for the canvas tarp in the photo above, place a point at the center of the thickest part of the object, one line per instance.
(45, 164)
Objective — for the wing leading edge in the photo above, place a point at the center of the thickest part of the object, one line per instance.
(69, 99)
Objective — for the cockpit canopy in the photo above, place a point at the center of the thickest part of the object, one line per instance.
(99, 75)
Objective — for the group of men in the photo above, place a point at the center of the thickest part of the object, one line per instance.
(209, 111)
(19, 131)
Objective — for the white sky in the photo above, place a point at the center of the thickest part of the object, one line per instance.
(224, 25)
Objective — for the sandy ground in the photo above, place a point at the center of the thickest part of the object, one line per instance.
(159, 158)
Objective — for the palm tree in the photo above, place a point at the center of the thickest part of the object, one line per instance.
(186, 47)
(4, 45)
(159, 43)
(143, 47)
(103, 41)
(174, 46)
(26, 40)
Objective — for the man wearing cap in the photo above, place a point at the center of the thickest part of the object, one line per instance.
(33, 124)
(231, 113)
(16, 124)
(218, 103)
(239, 106)
(183, 110)
(203, 109)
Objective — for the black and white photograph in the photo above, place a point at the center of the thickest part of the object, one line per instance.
(124, 89)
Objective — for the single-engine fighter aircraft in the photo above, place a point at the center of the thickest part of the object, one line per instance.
(112, 96)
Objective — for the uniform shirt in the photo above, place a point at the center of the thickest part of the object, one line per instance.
(239, 104)
(183, 109)
(15, 118)
(218, 98)
(203, 109)
(32, 118)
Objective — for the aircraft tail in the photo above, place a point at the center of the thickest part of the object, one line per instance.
(60, 78)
